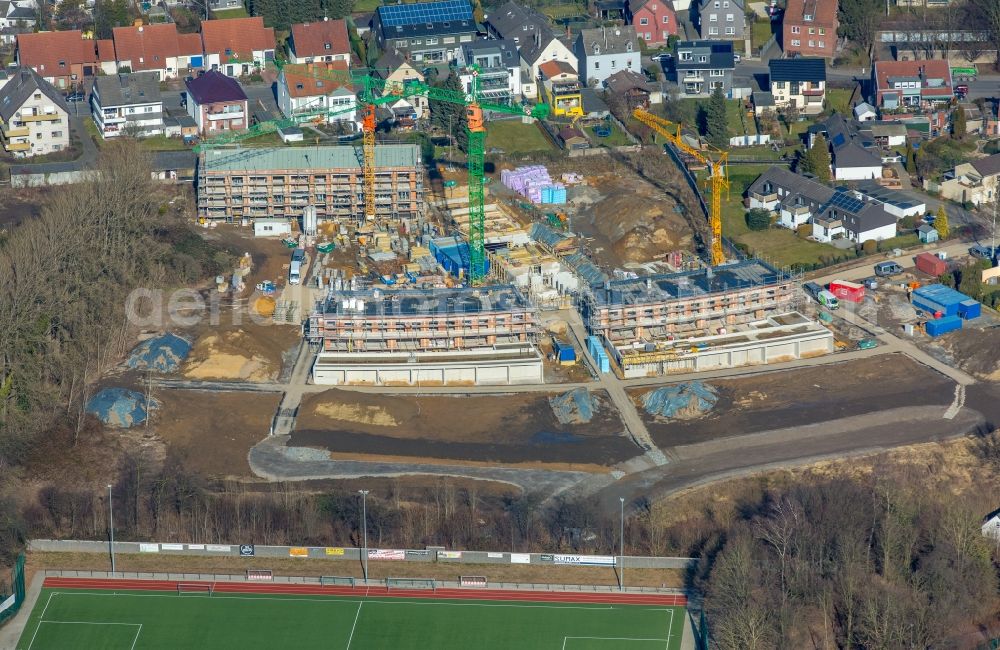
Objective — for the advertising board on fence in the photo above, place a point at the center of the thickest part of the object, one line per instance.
(495, 556)
(246, 550)
(418, 553)
(149, 548)
(585, 560)
(386, 554)
(196, 547)
(7, 604)
(330, 550)
(520, 558)
(449, 555)
(298, 551)
(171, 547)
(219, 548)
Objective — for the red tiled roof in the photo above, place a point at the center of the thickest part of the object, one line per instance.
(928, 68)
(324, 38)
(106, 50)
(43, 52)
(240, 36)
(147, 47)
(189, 44)
(314, 85)
(555, 68)
(824, 12)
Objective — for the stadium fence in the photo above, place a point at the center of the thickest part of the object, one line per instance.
(410, 583)
(337, 580)
(12, 592)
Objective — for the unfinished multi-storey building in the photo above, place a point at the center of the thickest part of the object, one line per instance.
(731, 315)
(426, 337)
(248, 183)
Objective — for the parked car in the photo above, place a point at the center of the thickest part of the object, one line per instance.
(961, 90)
(736, 57)
(867, 344)
(983, 252)
(75, 97)
(812, 289)
(887, 269)
(662, 57)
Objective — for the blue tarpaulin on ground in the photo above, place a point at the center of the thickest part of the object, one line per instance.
(162, 354)
(574, 407)
(686, 400)
(120, 407)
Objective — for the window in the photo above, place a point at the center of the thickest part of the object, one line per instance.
(597, 65)
(716, 73)
(812, 43)
(57, 134)
(644, 21)
(821, 44)
(38, 95)
(614, 63)
(716, 5)
(822, 32)
(730, 30)
(812, 30)
(713, 31)
(729, 18)
(432, 41)
(666, 20)
(726, 4)
(327, 46)
(712, 18)
(684, 56)
(796, 29)
(62, 64)
(807, 17)
(703, 58)
(647, 36)
(718, 84)
(796, 42)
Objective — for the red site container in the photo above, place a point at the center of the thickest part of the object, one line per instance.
(849, 291)
(930, 264)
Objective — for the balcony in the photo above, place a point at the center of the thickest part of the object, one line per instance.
(693, 77)
(14, 131)
(44, 117)
(17, 146)
(235, 115)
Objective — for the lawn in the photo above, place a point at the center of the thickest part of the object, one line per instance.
(761, 33)
(237, 12)
(163, 143)
(366, 6)
(736, 118)
(513, 136)
(565, 10)
(839, 99)
(616, 139)
(154, 620)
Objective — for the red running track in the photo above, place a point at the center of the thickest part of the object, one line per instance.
(613, 598)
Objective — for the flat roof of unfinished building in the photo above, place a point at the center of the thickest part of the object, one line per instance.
(257, 159)
(687, 284)
(427, 302)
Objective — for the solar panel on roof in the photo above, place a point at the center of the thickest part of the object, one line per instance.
(838, 140)
(845, 201)
(426, 12)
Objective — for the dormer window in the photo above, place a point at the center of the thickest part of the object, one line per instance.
(807, 17)
(628, 46)
(62, 64)
(299, 87)
(596, 48)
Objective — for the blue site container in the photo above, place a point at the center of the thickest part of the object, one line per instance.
(932, 307)
(938, 294)
(941, 326)
(970, 309)
(565, 353)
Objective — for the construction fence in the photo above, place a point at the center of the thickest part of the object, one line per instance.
(430, 554)
(12, 591)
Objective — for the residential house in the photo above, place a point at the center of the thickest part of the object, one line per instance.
(898, 204)
(317, 98)
(763, 102)
(63, 59)
(16, 13)
(702, 66)
(394, 69)
(799, 83)
(634, 88)
(154, 48)
(535, 39)
(655, 21)
(324, 41)
(845, 216)
(34, 116)
(217, 103)
(236, 46)
(721, 19)
(853, 156)
(921, 84)
(809, 28)
(107, 62)
(991, 526)
(429, 32)
(603, 52)
(971, 182)
(865, 112)
(499, 69)
(127, 104)
(573, 138)
(561, 88)
(887, 134)
(793, 197)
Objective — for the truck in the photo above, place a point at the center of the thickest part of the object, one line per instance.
(295, 268)
(812, 289)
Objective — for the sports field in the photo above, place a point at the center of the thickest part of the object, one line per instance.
(74, 613)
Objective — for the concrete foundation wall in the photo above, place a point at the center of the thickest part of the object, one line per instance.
(492, 372)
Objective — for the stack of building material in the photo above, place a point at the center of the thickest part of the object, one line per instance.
(600, 355)
(534, 183)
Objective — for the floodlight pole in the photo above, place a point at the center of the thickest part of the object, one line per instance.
(364, 528)
(621, 541)
(111, 529)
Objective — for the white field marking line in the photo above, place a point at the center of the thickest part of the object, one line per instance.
(609, 638)
(136, 639)
(351, 638)
(40, 623)
(670, 629)
(335, 600)
(40, 619)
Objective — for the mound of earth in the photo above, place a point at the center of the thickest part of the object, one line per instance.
(976, 351)
(681, 401)
(638, 220)
(574, 407)
(233, 355)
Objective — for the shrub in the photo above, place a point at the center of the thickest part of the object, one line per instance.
(758, 219)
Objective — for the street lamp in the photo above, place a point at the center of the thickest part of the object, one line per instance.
(111, 529)
(621, 540)
(364, 528)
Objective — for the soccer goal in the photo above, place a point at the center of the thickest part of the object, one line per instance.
(410, 583)
(195, 588)
(472, 581)
(260, 575)
(343, 581)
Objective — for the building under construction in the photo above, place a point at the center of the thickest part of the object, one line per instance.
(731, 315)
(426, 337)
(253, 182)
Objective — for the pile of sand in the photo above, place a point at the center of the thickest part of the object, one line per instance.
(640, 223)
(357, 413)
(229, 356)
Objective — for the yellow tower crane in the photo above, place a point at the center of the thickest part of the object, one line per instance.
(713, 158)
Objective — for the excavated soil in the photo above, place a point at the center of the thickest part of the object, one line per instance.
(976, 351)
(248, 352)
(792, 398)
(213, 431)
(515, 428)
